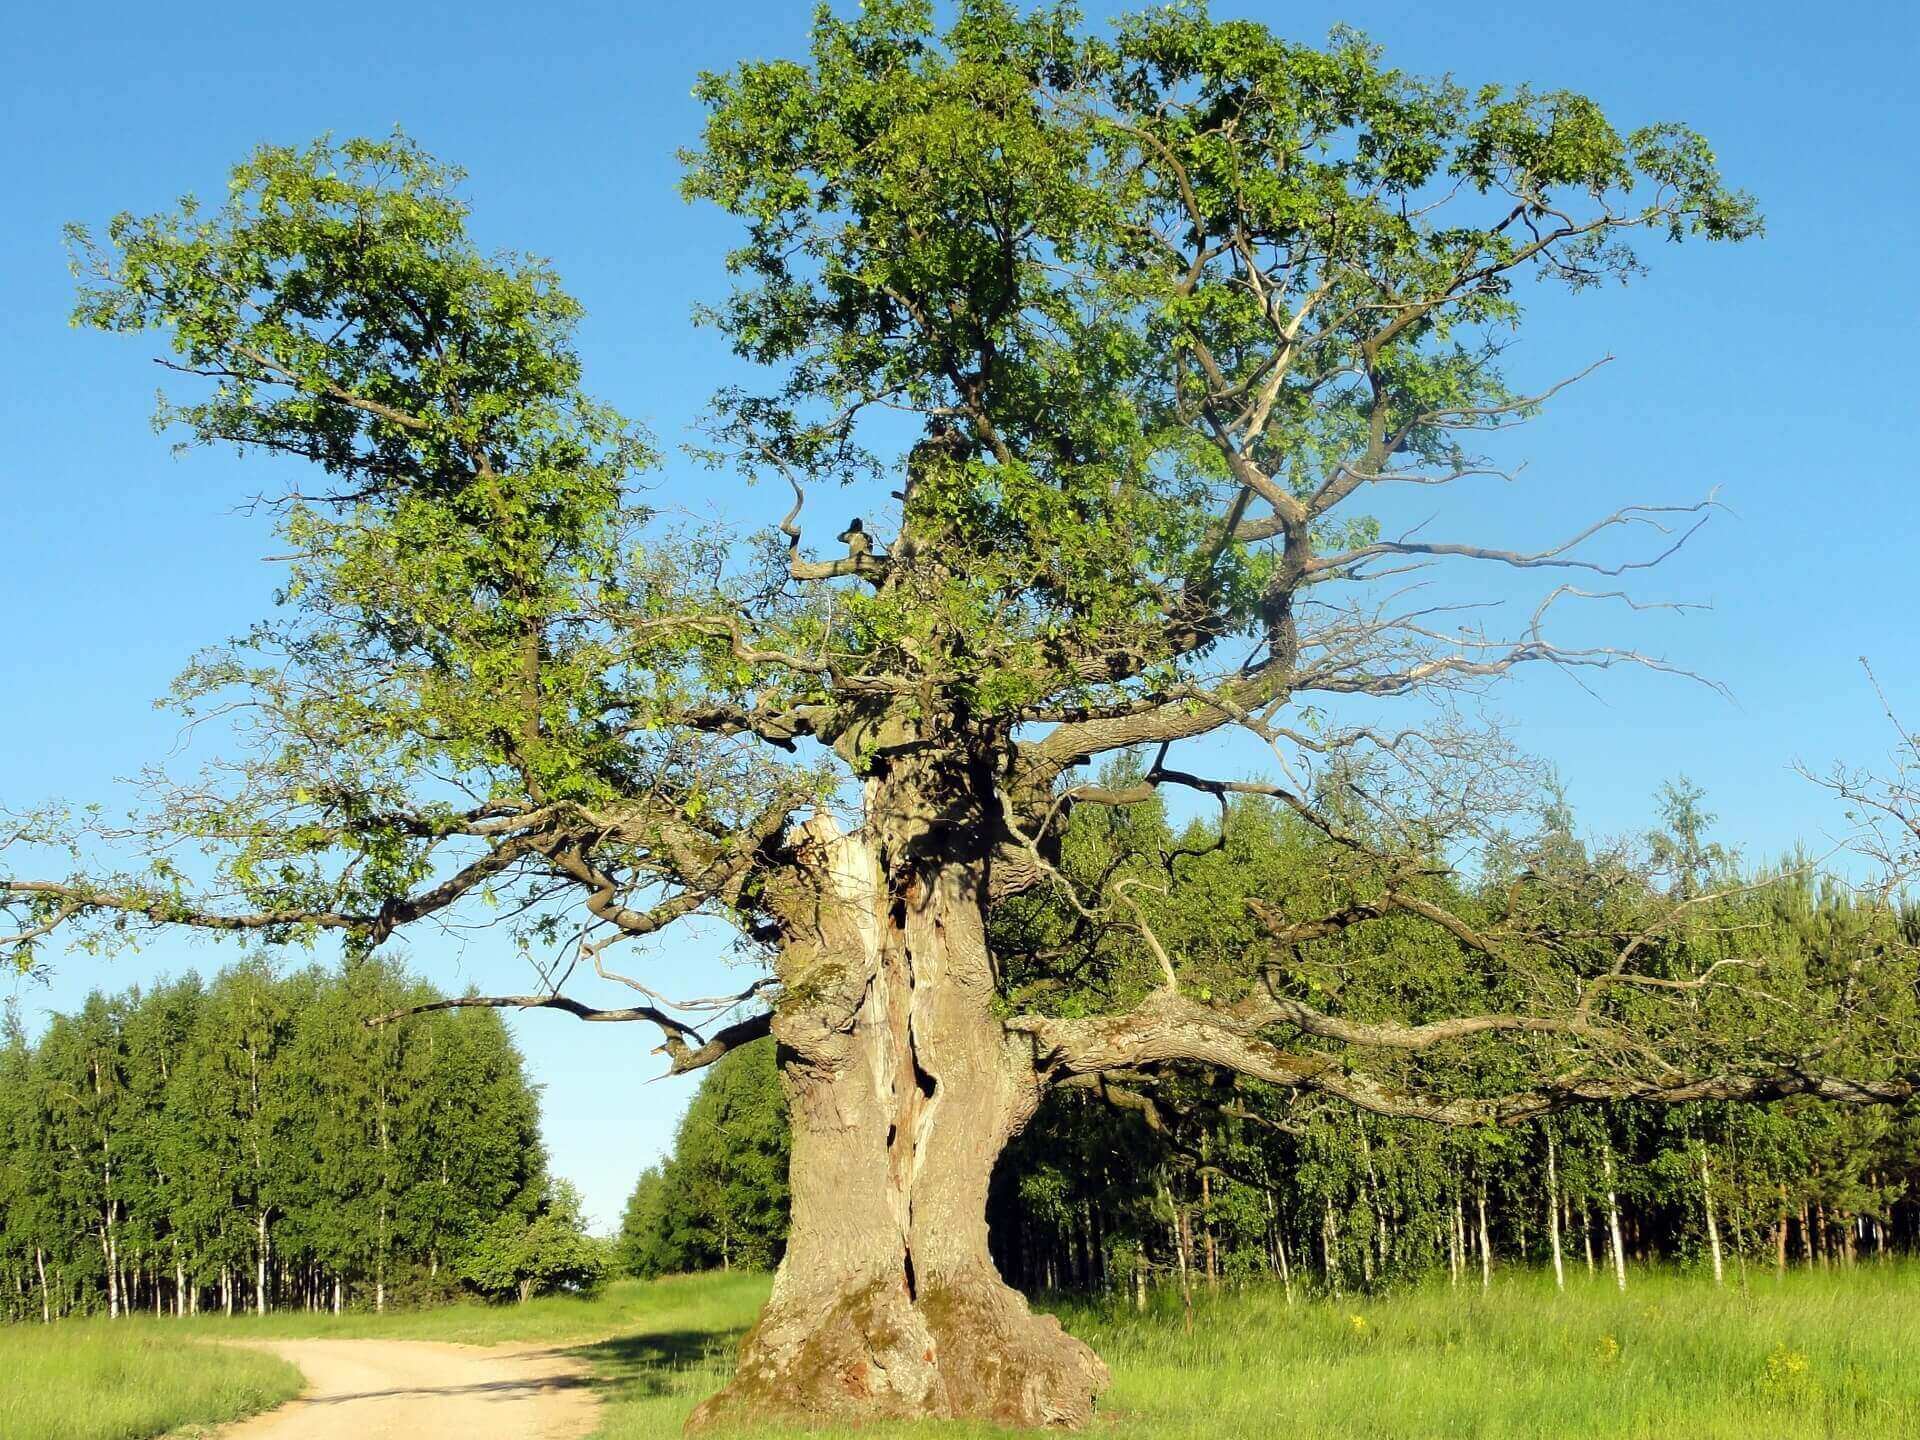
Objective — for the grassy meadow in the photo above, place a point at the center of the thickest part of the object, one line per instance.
(1819, 1355)
(1823, 1354)
(91, 1380)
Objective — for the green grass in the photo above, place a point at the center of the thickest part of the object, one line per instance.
(1831, 1354)
(1817, 1355)
(1821, 1355)
(90, 1380)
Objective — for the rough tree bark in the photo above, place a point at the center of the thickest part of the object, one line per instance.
(904, 1087)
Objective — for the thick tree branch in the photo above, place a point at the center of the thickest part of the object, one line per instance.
(684, 1046)
(1169, 1029)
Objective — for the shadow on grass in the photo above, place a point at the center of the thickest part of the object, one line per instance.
(630, 1367)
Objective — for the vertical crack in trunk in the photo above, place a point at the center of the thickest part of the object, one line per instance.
(902, 1094)
(903, 1088)
(925, 1099)
(915, 1091)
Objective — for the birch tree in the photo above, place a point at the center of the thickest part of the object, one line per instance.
(143, 1188)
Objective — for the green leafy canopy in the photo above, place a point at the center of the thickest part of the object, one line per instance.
(1149, 312)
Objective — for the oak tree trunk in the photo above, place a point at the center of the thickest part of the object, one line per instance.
(903, 1088)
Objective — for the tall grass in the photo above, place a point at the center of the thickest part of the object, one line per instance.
(1824, 1354)
(1833, 1354)
(94, 1380)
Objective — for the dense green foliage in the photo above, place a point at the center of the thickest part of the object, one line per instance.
(250, 1142)
(527, 1256)
(1158, 305)
(1218, 1179)
(1220, 1176)
(347, 319)
(1126, 278)
(720, 1200)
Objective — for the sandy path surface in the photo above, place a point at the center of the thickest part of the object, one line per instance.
(417, 1390)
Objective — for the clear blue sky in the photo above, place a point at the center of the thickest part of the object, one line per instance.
(1781, 371)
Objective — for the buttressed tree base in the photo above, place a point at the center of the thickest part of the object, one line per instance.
(1160, 306)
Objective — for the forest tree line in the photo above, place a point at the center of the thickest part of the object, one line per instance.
(249, 1143)
(1109, 1190)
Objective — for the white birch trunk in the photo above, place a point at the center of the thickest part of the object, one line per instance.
(1613, 1222)
(1713, 1224)
(1457, 1239)
(1553, 1216)
(1373, 1194)
(1486, 1243)
(260, 1264)
(1330, 1247)
(1206, 1219)
(113, 1271)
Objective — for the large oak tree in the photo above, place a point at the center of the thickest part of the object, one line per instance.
(1154, 312)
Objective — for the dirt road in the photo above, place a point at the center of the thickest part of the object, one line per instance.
(417, 1390)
